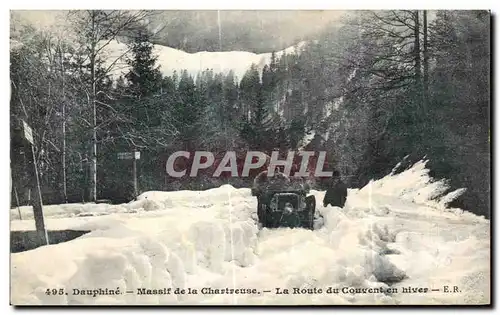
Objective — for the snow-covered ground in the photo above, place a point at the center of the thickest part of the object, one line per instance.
(389, 235)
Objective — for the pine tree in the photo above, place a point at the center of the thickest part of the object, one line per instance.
(262, 128)
(144, 76)
(230, 91)
(188, 110)
(296, 132)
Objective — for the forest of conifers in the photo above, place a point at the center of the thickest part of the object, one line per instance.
(375, 88)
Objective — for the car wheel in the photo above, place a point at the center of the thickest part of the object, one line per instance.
(311, 209)
(261, 215)
(311, 220)
(311, 204)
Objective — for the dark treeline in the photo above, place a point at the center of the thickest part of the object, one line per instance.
(378, 87)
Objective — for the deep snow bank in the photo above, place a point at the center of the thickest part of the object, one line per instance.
(158, 246)
(384, 238)
(437, 246)
(414, 184)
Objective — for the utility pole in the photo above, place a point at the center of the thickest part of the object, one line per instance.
(134, 173)
(134, 156)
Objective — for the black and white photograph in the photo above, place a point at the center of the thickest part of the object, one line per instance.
(250, 157)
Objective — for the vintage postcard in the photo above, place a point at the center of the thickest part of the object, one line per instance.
(218, 157)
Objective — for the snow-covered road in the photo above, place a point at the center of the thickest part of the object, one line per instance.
(389, 245)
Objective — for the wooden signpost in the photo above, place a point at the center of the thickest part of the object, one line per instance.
(134, 156)
(37, 203)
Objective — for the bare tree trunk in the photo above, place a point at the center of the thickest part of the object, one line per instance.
(426, 64)
(94, 147)
(98, 28)
(418, 62)
(93, 164)
(65, 191)
(418, 75)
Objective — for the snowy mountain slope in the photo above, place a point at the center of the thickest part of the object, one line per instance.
(171, 59)
(329, 109)
(384, 237)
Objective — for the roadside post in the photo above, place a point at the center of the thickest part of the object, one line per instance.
(134, 156)
(34, 184)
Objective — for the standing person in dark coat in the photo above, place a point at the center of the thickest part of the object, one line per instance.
(336, 194)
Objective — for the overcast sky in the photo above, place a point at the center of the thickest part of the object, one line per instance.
(241, 30)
